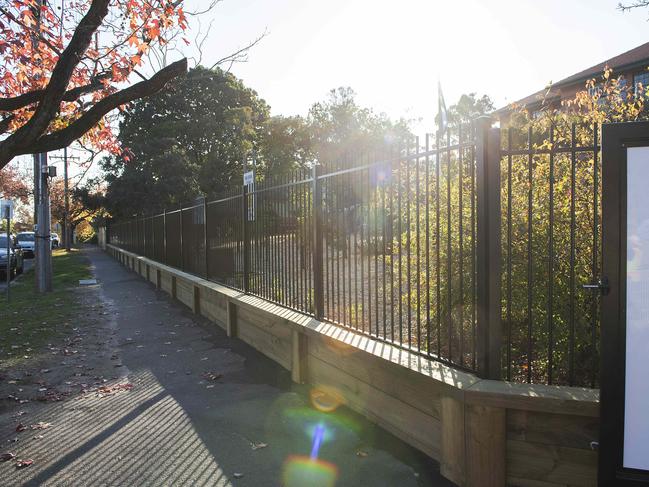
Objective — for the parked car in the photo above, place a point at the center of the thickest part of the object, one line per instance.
(54, 238)
(17, 263)
(26, 241)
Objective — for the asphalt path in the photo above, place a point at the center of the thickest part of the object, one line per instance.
(146, 393)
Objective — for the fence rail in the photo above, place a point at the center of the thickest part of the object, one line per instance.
(469, 248)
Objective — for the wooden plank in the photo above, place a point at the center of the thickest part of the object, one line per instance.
(551, 463)
(535, 397)
(407, 423)
(270, 345)
(299, 362)
(185, 292)
(453, 461)
(518, 482)
(417, 390)
(269, 323)
(485, 446)
(165, 281)
(552, 429)
(214, 306)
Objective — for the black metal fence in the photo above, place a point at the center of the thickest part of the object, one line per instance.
(455, 247)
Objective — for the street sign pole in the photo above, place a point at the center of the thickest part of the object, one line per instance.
(8, 271)
(6, 209)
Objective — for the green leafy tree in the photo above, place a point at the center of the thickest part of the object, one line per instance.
(188, 140)
(285, 145)
(343, 131)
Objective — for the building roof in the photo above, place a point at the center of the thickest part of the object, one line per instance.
(636, 56)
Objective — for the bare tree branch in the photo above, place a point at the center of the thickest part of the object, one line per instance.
(76, 129)
(629, 6)
(241, 55)
(20, 101)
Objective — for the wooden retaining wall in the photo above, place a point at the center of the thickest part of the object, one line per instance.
(482, 432)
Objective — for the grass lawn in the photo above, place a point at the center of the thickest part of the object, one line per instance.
(32, 320)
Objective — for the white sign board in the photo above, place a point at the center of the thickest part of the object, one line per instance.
(248, 178)
(636, 400)
(4, 205)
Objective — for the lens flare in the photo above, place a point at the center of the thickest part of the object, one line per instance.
(318, 435)
(301, 471)
(326, 399)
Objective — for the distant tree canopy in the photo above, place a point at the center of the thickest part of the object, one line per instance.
(192, 139)
(341, 129)
(189, 139)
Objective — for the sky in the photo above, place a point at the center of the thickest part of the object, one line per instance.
(392, 53)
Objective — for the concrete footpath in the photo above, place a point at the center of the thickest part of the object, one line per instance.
(146, 393)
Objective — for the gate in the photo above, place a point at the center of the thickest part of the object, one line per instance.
(624, 285)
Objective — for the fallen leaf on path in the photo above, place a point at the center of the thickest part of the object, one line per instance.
(21, 427)
(24, 463)
(109, 390)
(212, 375)
(5, 457)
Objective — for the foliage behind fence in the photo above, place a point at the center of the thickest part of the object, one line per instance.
(389, 244)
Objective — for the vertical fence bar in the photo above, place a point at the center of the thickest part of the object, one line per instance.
(509, 254)
(318, 282)
(571, 336)
(182, 261)
(488, 252)
(530, 256)
(164, 235)
(595, 258)
(207, 251)
(551, 263)
(245, 238)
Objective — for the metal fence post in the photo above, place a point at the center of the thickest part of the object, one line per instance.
(182, 263)
(164, 234)
(246, 239)
(207, 267)
(488, 249)
(318, 278)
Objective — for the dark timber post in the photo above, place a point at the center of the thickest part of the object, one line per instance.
(488, 250)
(246, 239)
(318, 283)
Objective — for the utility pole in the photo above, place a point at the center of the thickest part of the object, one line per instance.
(66, 214)
(67, 237)
(43, 246)
(42, 219)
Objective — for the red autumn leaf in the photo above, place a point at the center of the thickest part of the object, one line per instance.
(24, 463)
